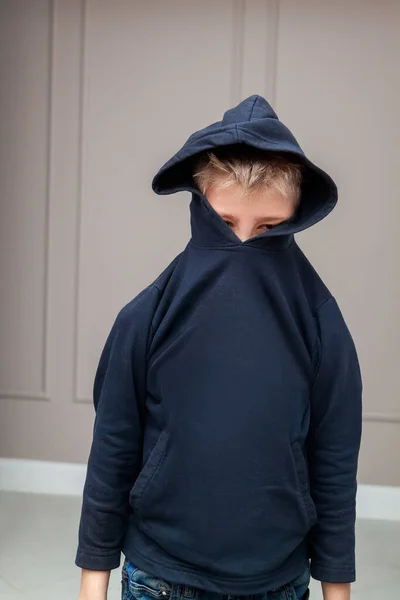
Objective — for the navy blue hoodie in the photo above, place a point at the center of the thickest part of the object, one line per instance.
(228, 401)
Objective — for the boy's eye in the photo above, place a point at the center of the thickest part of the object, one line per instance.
(229, 223)
(266, 227)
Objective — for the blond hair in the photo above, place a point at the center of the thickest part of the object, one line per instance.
(253, 169)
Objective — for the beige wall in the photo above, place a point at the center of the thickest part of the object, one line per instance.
(95, 97)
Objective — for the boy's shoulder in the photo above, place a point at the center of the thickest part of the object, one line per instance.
(162, 280)
(146, 301)
(315, 289)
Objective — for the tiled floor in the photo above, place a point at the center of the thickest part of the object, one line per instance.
(38, 543)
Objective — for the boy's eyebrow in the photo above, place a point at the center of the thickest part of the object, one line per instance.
(271, 218)
(228, 217)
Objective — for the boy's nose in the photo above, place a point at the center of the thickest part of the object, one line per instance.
(244, 233)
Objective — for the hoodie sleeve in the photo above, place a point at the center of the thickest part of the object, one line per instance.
(116, 450)
(333, 446)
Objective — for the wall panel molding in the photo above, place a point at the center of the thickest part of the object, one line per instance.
(64, 197)
(80, 165)
(24, 395)
(258, 63)
(272, 28)
(238, 33)
(42, 393)
(46, 258)
(381, 417)
(83, 399)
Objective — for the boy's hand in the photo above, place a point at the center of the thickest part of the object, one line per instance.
(336, 591)
(94, 585)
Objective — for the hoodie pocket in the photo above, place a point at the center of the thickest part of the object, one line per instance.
(303, 483)
(148, 471)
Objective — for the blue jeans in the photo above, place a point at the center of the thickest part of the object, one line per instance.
(139, 585)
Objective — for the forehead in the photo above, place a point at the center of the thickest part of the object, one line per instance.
(260, 204)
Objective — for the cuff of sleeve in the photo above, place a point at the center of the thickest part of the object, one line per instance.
(97, 562)
(332, 574)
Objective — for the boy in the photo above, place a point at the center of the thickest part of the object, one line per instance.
(228, 394)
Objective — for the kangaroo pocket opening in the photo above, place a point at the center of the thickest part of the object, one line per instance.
(303, 483)
(218, 516)
(148, 472)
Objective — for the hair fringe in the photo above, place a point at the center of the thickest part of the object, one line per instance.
(253, 170)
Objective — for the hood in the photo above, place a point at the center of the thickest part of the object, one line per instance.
(252, 123)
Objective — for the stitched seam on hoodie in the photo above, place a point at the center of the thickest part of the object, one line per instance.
(253, 107)
(317, 370)
(220, 129)
(333, 568)
(99, 552)
(323, 302)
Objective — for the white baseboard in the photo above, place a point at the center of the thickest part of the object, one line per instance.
(44, 477)
(378, 502)
(41, 477)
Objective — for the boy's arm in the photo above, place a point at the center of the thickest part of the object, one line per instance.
(116, 450)
(333, 447)
(94, 585)
(336, 591)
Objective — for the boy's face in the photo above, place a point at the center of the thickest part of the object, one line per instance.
(253, 214)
